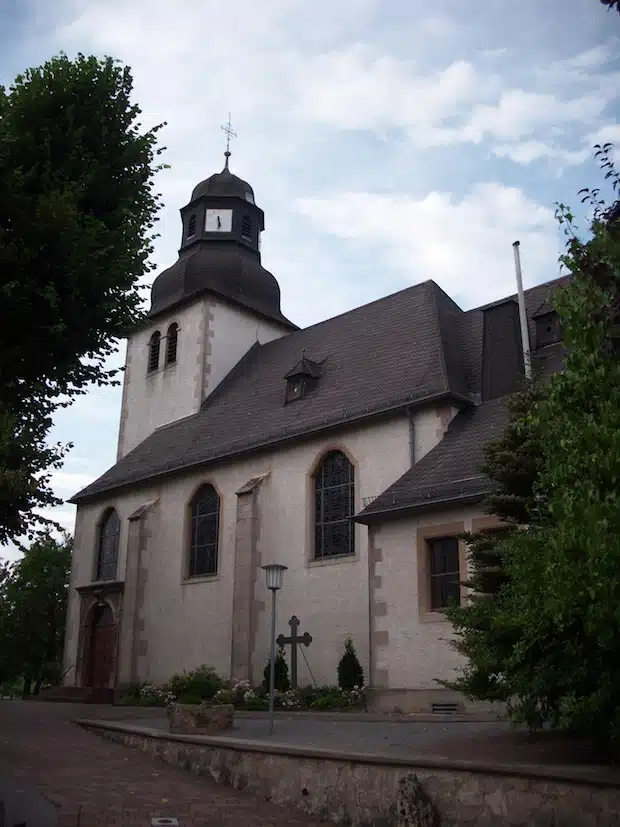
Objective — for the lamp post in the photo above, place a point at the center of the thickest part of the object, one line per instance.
(274, 574)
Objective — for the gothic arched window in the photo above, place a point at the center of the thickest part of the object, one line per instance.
(191, 225)
(107, 546)
(334, 506)
(205, 525)
(154, 345)
(171, 343)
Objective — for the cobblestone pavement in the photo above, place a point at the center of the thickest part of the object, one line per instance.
(96, 782)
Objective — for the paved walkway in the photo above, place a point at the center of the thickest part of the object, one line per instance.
(400, 739)
(470, 740)
(98, 783)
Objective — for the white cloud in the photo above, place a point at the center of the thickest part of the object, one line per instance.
(378, 122)
(526, 152)
(463, 244)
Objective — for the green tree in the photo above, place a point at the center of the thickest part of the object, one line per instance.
(32, 625)
(76, 212)
(612, 4)
(350, 672)
(513, 463)
(558, 602)
(281, 679)
(6, 669)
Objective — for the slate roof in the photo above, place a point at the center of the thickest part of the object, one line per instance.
(408, 348)
(387, 354)
(448, 472)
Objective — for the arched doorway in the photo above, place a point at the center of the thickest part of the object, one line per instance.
(101, 649)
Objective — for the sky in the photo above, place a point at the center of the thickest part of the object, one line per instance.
(387, 141)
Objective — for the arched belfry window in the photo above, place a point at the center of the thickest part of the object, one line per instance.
(154, 346)
(246, 227)
(171, 343)
(205, 529)
(107, 546)
(191, 225)
(334, 506)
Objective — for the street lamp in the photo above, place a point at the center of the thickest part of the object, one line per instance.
(274, 574)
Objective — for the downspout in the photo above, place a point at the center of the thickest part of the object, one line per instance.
(411, 437)
(525, 334)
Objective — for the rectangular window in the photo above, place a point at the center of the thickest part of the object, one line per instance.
(444, 572)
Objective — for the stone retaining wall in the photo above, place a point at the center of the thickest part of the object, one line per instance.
(364, 791)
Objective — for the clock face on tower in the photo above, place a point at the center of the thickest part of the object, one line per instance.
(218, 221)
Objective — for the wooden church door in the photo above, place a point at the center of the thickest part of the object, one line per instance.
(102, 641)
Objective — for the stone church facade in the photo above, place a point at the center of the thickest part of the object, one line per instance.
(347, 451)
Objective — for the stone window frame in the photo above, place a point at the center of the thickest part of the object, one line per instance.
(440, 576)
(423, 535)
(102, 522)
(311, 559)
(186, 577)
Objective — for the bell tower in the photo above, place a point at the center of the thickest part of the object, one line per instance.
(207, 310)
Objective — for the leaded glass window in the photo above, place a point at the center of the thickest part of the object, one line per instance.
(334, 503)
(444, 572)
(107, 552)
(154, 345)
(205, 521)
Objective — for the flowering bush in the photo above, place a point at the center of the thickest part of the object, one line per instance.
(151, 695)
(203, 682)
(332, 697)
(223, 696)
(291, 699)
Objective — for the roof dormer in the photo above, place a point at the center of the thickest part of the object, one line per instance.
(301, 379)
(548, 324)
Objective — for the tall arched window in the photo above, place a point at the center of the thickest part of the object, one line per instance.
(154, 345)
(107, 547)
(205, 523)
(171, 343)
(334, 504)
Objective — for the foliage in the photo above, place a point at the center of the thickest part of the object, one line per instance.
(203, 682)
(612, 4)
(350, 672)
(131, 690)
(257, 703)
(191, 698)
(76, 212)
(333, 697)
(559, 599)
(33, 606)
(242, 695)
(282, 682)
(224, 696)
(151, 695)
(513, 463)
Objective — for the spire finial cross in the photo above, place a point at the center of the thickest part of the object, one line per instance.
(230, 133)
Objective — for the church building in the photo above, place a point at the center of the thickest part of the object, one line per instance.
(348, 451)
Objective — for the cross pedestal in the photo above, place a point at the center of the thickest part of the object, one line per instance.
(293, 641)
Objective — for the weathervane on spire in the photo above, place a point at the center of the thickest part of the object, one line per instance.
(230, 133)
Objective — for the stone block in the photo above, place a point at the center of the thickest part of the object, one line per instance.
(200, 719)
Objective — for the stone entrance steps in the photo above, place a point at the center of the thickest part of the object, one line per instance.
(76, 694)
